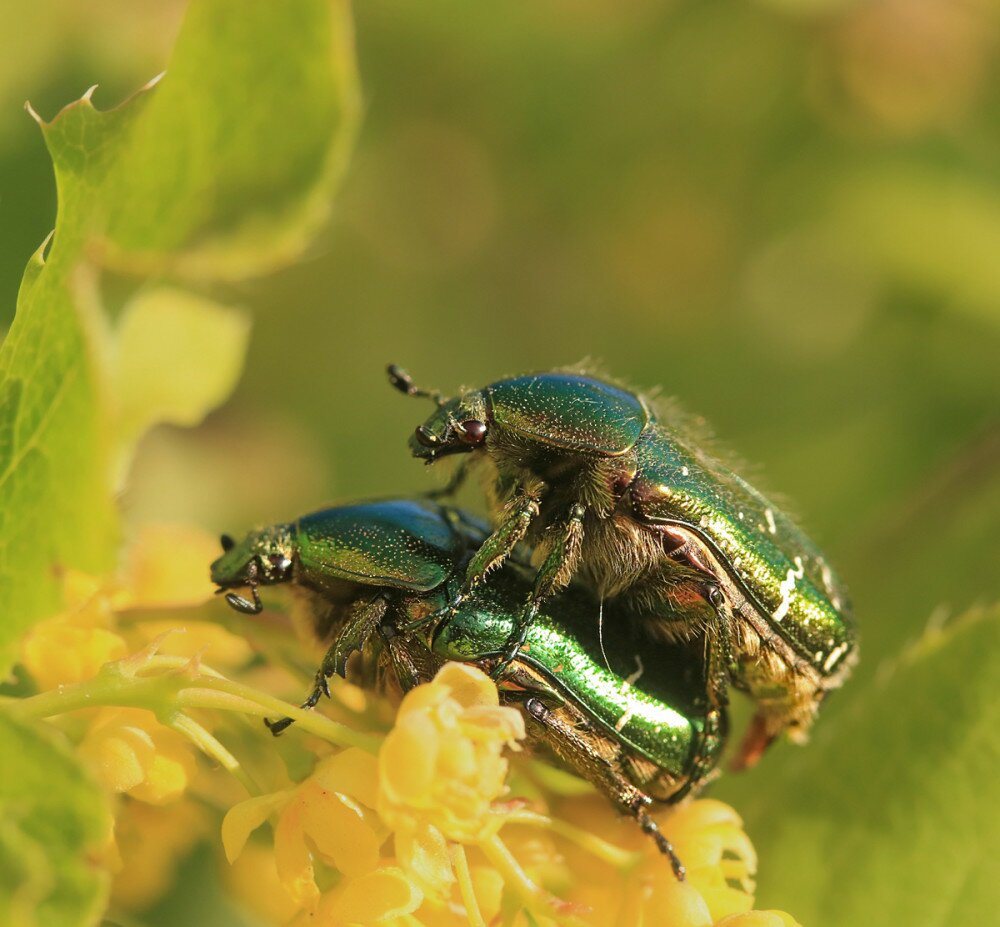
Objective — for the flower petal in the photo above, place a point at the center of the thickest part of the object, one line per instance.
(337, 827)
(244, 818)
(352, 772)
(373, 898)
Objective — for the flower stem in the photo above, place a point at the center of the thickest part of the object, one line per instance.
(602, 849)
(233, 696)
(465, 887)
(211, 747)
(168, 685)
(516, 879)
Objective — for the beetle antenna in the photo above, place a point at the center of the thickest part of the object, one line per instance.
(402, 381)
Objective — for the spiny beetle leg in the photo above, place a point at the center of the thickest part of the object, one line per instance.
(606, 776)
(403, 665)
(362, 623)
(554, 573)
(638, 808)
(320, 688)
(515, 642)
(523, 509)
(719, 649)
(491, 555)
(277, 728)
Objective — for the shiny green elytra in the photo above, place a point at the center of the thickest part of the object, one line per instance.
(628, 498)
(630, 716)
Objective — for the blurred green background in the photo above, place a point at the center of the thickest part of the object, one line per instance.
(784, 212)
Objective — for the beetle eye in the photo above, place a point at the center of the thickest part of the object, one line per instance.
(276, 559)
(227, 543)
(472, 432)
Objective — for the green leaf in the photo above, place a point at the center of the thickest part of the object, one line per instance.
(220, 171)
(889, 815)
(53, 822)
(158, 327)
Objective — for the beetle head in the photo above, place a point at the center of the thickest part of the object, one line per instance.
(457, 426)
(262, 558)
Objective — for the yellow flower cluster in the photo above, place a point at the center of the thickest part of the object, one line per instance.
(413, 836)
(432, 818)
(433, 787)
(127, 749)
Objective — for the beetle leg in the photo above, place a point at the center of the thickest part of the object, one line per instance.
(567, 742)
(639, 810)
(320, 688)
(521, 511)
(407, 673)
(402, 381)
(359, 628)
(518, 685)
(703, 763)
(364, 619)
(554, 573)
(718, 649)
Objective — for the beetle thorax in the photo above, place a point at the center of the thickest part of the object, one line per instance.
(564, 477)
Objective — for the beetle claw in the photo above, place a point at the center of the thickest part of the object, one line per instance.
(277, 728)
(247, 606)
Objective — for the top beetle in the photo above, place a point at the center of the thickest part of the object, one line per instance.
(598, 484)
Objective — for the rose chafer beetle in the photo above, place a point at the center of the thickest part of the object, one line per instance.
(639, 728)
(629, 499)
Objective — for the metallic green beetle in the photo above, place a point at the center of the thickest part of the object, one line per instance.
(630, 500)
(640, 729)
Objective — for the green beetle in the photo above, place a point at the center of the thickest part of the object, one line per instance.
(638, 727)
(629, 499)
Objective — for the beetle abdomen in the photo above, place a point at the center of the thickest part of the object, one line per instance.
(778, 568)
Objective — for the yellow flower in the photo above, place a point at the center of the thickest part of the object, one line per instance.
(435, 790)
(376, 898)
(75, 644)
(130, 751)
(165, 567)
(222, 649)
(759, 919)
(328, 816)
(443, 763)
(442, 767)
(151, 840)
(252, 880)
(720, 859)
(59, 653)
